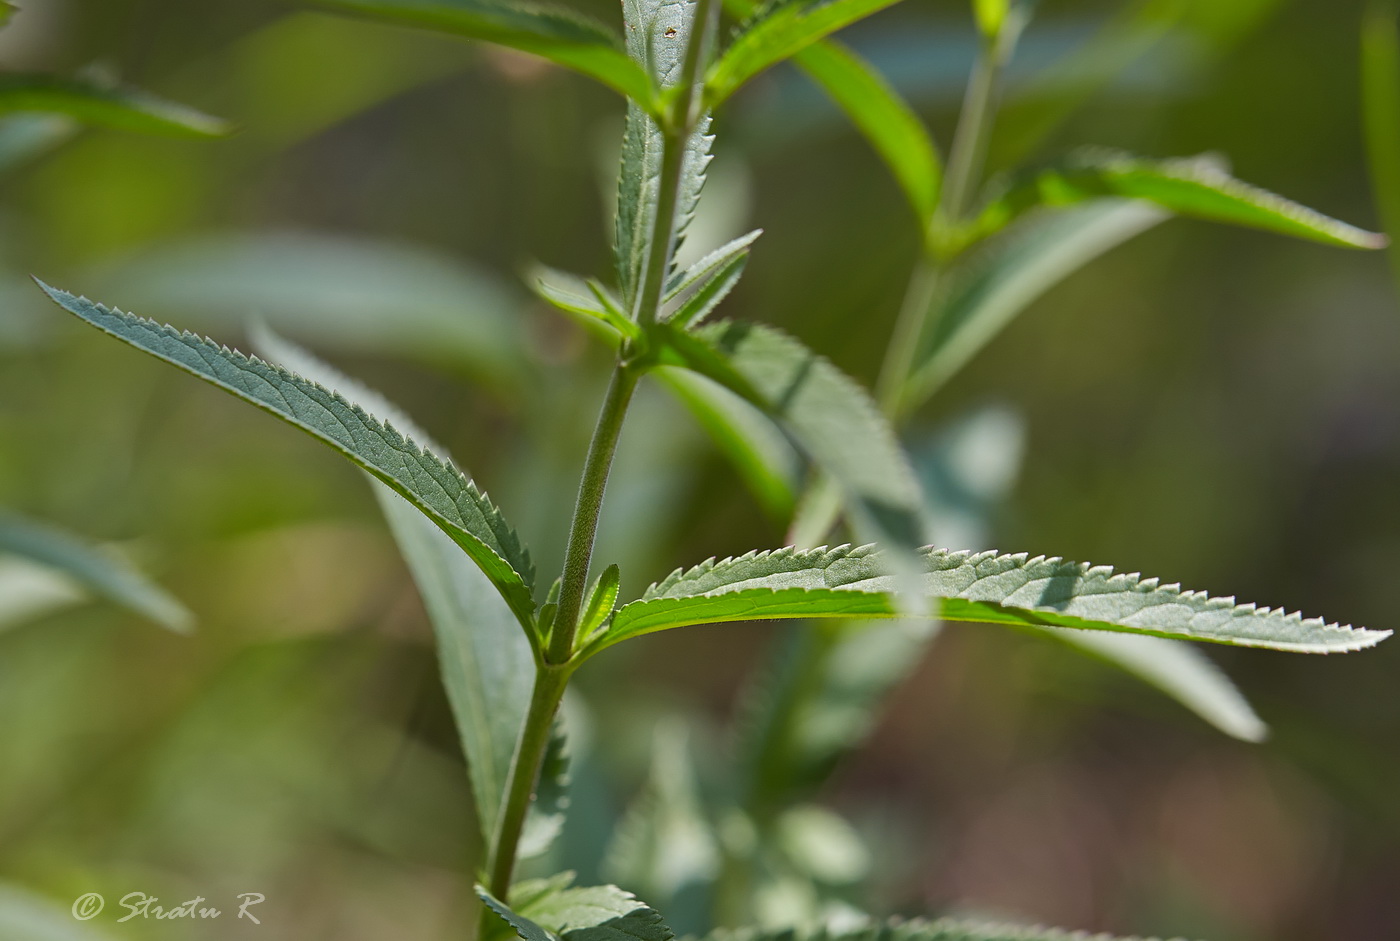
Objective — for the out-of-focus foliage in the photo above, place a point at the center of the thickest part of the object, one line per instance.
(301, 744)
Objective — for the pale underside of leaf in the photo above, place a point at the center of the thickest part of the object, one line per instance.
(1180, 670)
(656, 32)
(992, 286)
(550, 910)
(432, 485)
(828, 415)
(101, 573)
(478, 638)
(553, 32)
(1197, 187)
(105, 105)
(988, 587)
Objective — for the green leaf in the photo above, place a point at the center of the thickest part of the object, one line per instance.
(602, 599)
(485, 658)
(431, 484)
(7, 10)
(1180, 670)
(886, 120)
(715, 259)
(1197, 187)
(336, 291)
(709, 295)
(829, 416)
(1380, 101)
(103, 574)
(781, 35)
(553, 32)
(550, 911)
(104, 105)
(994, 284)
(545, 820)
(763, 456)
(986, 587)
(583, 298)
(29, 591)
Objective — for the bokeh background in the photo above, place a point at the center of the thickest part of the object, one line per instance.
(1215, 406)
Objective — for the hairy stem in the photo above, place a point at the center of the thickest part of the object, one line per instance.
(556, 662)
(584, 528)
(676, 128)
(548, 692)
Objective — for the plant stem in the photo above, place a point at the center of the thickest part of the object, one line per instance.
(556, 661)
(676, 129)
(548, 692)
(584, 528)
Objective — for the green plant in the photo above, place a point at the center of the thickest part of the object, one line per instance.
(510, 643)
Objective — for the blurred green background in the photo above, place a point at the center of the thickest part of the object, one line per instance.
(1215, 406)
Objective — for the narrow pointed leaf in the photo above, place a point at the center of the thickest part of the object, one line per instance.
(781, 35)
(829, 416)
(1180, 670)
(715, 259)
(485, 658)
(105, 105)
(710, 294)
(431, 484)
(657, 32)
(1380, 102)
(886, 120)
(985, 587)
(101, 573)
(994, 284)
(602, 599)
(553, 32)
(577, 296)
(1196, 187)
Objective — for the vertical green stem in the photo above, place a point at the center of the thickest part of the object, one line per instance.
(524, 769)
(589, 507)
(556, 661)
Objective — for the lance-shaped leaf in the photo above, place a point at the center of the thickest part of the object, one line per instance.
(1198, 187)
(1380, 101)
(104, 105)
(987, 587)
(886, 120)
(657, 32)
(718, 258)
(710, 294)
(101, 573)
(553, 32)
(991, 286)
(550, 910)
(829, 416)
(430, 483)
(486, 661)
(585, 299)
(1180, 670)
(781, 35)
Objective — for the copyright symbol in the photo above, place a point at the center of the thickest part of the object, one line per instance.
(88, 906)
